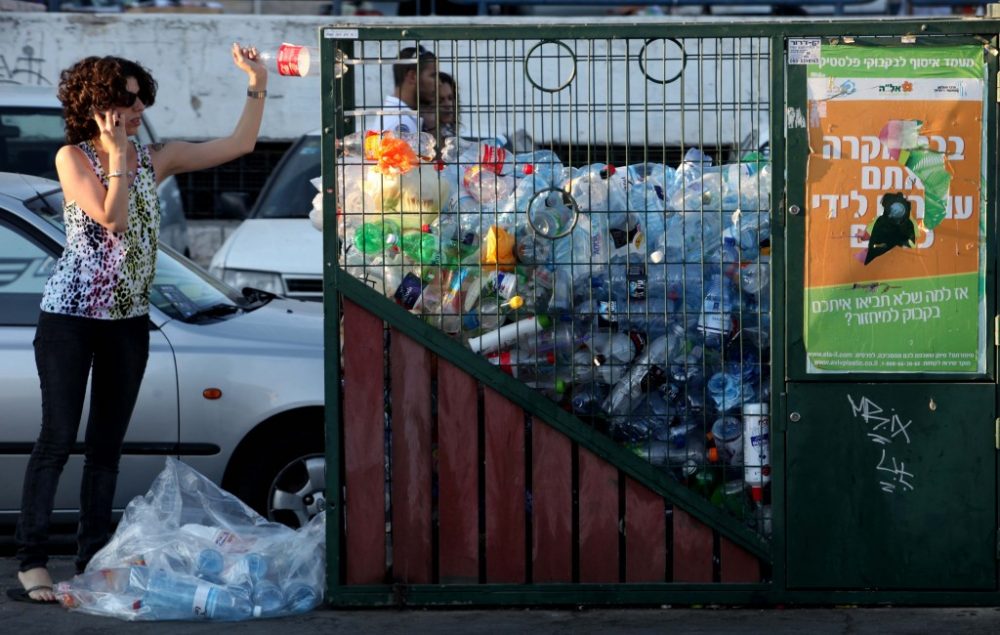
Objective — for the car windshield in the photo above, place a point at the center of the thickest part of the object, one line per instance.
(290, 194)
(29, 140)
(181, 289)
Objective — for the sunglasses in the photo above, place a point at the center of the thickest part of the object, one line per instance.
(127, 99)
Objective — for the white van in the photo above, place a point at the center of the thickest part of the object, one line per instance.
(276, 248)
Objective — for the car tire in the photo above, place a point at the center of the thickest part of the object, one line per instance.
(284, 481)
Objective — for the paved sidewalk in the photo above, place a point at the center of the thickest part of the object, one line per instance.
(21, 618)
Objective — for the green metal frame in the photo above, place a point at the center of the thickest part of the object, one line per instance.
(787, 283)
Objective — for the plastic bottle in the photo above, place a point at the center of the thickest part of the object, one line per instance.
(649, 419)
(649, 370)
(525, 366)
(250, 569)
(587, 397)
(506, 335)
(487, 186)
(422, 248)
(727, 391)
(756, 449)
(728, 434)
(531, 248)
(377, 237)
(687, 454)
(222, 538)
(172, 596)
(612, 352)
(529, 191)
(410, 289)
(732, 497)
(754, 277)
(455, 284)
(209, 565)
(561, 299)
(551, 386)
(585, 252)
(290, 59)
(300, 597)
(715, 320)
(459, 234)
(593, 189)
(267, 599)
(543, 163)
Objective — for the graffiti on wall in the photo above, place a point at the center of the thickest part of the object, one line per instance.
(23, 67)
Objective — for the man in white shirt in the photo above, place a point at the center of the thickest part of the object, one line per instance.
(413, 80)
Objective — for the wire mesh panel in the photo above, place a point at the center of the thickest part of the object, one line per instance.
(592, 216)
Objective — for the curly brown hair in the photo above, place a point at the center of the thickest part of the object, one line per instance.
(98, 83)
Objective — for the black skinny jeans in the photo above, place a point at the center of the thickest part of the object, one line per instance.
(66, 348)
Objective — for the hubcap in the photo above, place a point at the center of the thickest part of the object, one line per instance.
(298, 490)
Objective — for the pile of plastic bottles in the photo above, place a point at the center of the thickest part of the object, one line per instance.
(637, 297)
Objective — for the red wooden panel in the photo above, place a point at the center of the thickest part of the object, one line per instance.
(551, 504)
(458, 476)
(505, 537)
(410, 365)
(692, 549)
(645, 534)
(364, 446)
(598, 519)
(737, 564)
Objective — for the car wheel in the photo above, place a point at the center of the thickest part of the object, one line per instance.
(299, 491)
(285, 483)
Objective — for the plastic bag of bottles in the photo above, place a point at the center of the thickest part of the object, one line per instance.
(188, 550)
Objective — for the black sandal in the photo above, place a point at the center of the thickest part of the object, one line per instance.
(24, 595)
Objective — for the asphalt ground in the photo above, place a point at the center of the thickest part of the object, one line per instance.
(22, 618)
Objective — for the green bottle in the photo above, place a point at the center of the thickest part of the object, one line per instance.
(373, 238)
(732, 497)
(705, 480)
(422, 248)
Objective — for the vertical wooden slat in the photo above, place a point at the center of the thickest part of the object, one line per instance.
(505, 516)
(737, 565)
(551, 504)
(692, 549)
(598, 519)
(645, 531)
(364, 446)
(410, 365)
(458, 476)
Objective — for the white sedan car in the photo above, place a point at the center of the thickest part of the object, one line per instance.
(234, 385)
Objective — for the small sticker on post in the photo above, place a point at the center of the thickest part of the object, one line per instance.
(340, 34)
(804, 50)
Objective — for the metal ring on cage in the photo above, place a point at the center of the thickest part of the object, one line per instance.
(565, 228)
(527, 71)
(642, 60)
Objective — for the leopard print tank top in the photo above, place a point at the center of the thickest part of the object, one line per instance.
(104, 274)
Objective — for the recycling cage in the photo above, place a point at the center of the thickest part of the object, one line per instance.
(678, 203)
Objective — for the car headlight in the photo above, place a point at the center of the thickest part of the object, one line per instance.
(240, 278)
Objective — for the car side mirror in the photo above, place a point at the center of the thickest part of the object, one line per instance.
(233, 205)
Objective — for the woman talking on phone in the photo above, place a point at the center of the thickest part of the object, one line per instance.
(94, 313)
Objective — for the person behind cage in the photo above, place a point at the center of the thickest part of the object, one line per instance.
(440, 115)
(94, 311)
(413, 82)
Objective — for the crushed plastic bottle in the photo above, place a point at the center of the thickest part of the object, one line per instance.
(171, 596)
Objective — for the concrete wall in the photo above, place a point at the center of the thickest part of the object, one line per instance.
(201, 91)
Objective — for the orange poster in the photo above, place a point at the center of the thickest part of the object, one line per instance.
(895, 238)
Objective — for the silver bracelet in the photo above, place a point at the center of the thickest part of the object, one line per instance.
(256, 94)
(116, 174)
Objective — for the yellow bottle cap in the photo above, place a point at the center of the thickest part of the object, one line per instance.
(516, 302)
